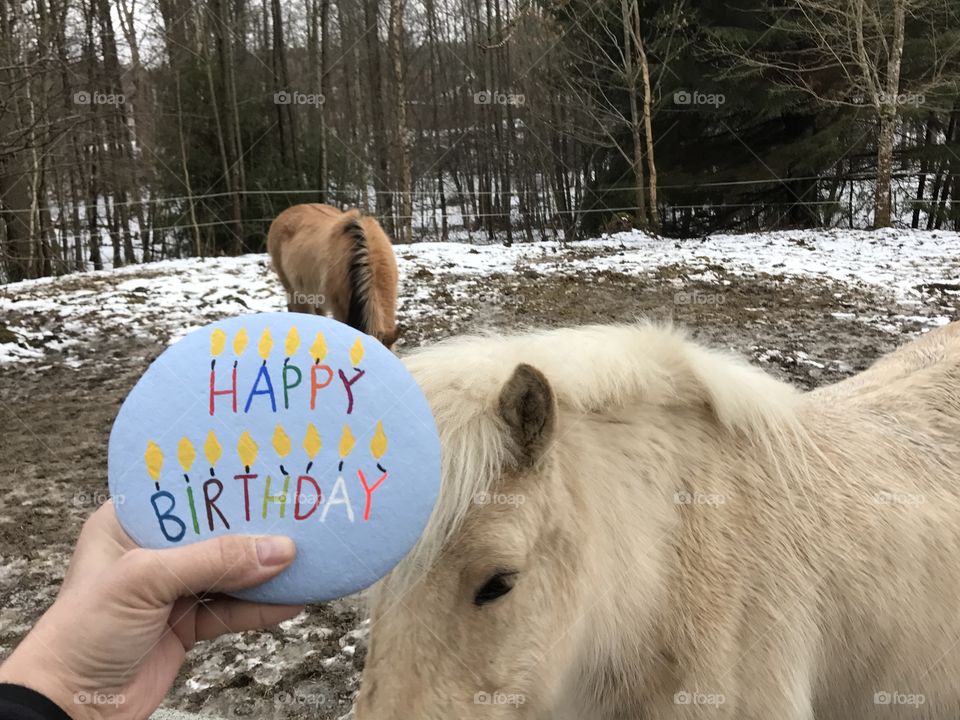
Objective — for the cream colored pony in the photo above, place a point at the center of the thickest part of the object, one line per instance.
(633, 527)
(337, 263)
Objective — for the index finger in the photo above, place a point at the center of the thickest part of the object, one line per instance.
(102, 542)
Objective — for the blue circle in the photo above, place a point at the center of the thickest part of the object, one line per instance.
(246, 426)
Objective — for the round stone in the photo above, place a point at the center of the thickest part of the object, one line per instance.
(279, 423)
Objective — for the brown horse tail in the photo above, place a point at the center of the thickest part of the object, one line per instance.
(360, 276)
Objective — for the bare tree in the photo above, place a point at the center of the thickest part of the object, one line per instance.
(403, 226)
(375, 115)
(851, 53)
(608, 57)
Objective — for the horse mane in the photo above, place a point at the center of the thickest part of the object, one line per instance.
(592, 369)
(360, 277)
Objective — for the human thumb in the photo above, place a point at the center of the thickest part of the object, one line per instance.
(223, 564)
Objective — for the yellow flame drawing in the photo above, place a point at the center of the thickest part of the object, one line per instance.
(218, 341)
(281, 441)
(356, 352)
(212, 449)
(154, 460)
(378, 445)
(247, 449)
(240, 342)
(318, 351)
(186, 454)
(292, 342)
(311, 441)
(347, 442)
(266, 344)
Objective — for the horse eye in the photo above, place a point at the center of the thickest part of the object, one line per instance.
(497, 586)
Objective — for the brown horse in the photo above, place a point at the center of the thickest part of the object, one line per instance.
(337, 263)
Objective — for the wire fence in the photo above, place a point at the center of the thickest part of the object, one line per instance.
(63, 250)
(428, 195)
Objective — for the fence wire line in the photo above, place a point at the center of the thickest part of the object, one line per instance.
(354, 194)
(58, 226)
(74, 240)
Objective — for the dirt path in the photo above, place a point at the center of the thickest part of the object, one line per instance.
(55, 419)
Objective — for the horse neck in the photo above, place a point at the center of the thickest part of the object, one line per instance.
(624, 466)
(382, 310)
(625, 469)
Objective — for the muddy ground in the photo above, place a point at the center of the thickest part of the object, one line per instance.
(55, 418)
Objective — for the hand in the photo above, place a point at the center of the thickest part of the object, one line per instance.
(112, 643)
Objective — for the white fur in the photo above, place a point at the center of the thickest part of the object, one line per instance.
(824, 575)
(590, 369)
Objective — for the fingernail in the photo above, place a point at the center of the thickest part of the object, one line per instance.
(275, 550)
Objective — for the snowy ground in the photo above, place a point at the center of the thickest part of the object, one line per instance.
(168, 299)
(811, 307)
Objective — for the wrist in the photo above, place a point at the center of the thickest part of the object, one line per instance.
(45, 675)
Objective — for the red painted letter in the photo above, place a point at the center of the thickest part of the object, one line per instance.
(314, 385)
(369, 491)
(316, 501)
(232, 391)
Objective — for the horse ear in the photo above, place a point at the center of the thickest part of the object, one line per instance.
(527, 407)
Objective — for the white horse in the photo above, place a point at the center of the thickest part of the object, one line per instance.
(633, 527)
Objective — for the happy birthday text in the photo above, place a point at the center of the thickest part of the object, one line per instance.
(266, 494)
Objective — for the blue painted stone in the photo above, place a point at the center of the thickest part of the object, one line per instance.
(368, 413)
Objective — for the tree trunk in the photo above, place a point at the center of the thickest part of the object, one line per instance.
(648, 126)
(888, 119)
(381, 177)
(404, 233)
(882, 196)
(630, 75)
(924, 165)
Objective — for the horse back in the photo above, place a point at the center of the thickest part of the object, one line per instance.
(926, 369)
(311, 250)
(327, 210)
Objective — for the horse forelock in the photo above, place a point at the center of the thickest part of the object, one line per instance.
(592, 369)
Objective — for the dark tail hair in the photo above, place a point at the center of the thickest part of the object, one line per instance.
(358, 311)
